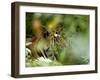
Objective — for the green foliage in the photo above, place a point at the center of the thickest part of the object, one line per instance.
(75, 32)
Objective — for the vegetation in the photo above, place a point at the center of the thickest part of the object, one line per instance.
(72, 45)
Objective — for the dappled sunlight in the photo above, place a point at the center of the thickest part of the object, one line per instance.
(56, 39)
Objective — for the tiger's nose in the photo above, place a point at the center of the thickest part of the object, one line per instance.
(56, 35)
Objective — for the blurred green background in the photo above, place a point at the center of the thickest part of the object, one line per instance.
(75, 32)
